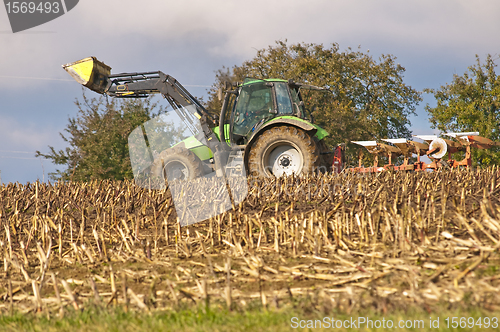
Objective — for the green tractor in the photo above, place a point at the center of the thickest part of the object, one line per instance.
(262, 129)
(268, 122)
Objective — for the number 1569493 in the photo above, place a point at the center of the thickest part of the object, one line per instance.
(470, 322)
(16, 7)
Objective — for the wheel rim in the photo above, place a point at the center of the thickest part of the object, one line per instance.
(283, 158)
(176, 170)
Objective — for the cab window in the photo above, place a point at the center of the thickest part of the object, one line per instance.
(283, 98)
(255, 103)
(297, 104)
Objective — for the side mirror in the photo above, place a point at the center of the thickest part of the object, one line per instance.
(225, 86)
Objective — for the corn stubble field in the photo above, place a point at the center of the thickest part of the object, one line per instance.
(332, 242)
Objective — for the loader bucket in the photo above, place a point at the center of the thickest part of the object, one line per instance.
(90, 73)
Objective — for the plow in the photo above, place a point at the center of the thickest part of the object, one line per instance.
(434, 147)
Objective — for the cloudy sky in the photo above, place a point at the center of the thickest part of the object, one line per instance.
(191, 39)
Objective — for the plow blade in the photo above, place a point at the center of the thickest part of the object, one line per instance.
(408, 147)
(427, 138)
(463, 135)
(371, 146)
(375, 148)
(91, 73)
(482, 142)
(473, 139)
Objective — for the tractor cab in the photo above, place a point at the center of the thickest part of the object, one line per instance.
(259, 101)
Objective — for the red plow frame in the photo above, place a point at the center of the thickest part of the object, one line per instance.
(434, 147)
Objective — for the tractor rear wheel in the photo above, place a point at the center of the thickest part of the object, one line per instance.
(283, 151)
(178, 164)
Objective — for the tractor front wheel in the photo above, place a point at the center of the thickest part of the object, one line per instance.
(178, 164)
(283, 151)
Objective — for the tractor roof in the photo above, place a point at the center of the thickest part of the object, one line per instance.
(251, 80)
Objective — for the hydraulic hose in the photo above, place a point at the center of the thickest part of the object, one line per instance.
(222, 132)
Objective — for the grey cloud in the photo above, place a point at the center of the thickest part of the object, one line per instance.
(233, 29)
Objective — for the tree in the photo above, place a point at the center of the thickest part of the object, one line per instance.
(98, 139)
(471, 103)
(368, 98)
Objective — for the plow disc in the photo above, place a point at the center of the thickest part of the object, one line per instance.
(434, 147)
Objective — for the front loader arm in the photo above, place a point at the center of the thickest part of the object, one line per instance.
(96, 76)
(140, 85)
(143, 84)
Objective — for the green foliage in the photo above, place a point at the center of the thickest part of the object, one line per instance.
(98, 139)
(471, 103)
(369, 99)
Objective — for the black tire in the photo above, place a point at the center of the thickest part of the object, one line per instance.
(283, 150)
(326, 157)
(178, 164)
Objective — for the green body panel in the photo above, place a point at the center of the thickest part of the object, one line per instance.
(320, 133)
(226, 132)
(202, 151)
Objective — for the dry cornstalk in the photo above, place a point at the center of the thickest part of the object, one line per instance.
(70, 294)
(373, 224)
(136, 300)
